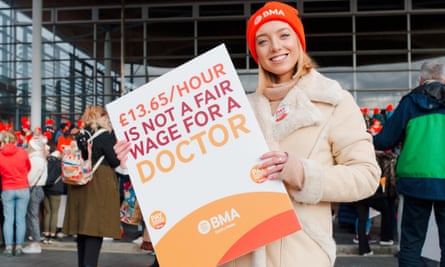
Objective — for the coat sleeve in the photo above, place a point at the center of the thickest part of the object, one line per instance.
(27, 161)
(105, 143)
(345, 167)
(393, 132)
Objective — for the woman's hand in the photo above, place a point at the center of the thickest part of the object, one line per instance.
(274, 163)
(122, 148)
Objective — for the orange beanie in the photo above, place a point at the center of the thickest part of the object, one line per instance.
(273, 11)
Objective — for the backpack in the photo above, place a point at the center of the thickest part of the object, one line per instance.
(77, 170)
(54, 171)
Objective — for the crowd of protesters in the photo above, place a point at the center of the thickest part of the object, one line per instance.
(32, 212)
(376, 118)
(30, 168)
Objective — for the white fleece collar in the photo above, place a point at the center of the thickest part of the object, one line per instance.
(300, 105)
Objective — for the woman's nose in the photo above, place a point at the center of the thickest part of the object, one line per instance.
(275, 44)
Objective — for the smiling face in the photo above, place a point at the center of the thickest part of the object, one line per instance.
(277, 48)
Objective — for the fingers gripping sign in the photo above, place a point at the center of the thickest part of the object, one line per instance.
(273, 164)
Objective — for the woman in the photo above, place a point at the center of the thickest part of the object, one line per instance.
(320, 147)
(317, 136)
(92, 210)
(37, 176)
(14, 168)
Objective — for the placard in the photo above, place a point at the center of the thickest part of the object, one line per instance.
(195, 150)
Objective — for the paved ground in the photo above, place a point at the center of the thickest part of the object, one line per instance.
(124, 253)
(68, 259)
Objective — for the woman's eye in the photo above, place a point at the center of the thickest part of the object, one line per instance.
(285, 35)
(261, 42)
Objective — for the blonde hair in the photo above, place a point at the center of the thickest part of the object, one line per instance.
(8, 137)
(93, 117)
(303, 66)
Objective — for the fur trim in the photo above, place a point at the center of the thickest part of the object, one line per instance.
(312, 87)
(313, 183)
(319, 88)
(316, 232)
(302, 113)
(259, 257)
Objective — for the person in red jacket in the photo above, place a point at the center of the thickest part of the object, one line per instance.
(14, 168)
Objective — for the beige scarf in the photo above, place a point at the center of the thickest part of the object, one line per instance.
(277, 92)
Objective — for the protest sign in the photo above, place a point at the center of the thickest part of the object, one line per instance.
(195, 150)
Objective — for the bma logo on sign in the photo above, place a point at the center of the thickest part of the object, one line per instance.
(220, 221)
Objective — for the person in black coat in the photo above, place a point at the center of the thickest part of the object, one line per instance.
(54, 189)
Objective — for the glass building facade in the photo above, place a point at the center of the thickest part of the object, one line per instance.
(93, 53)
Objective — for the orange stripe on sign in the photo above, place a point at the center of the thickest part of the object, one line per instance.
(227, 228)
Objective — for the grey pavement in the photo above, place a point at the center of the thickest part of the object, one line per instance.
(68, 259)
(123, 253)
(50, 258)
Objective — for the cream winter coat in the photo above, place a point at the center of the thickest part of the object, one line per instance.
(38, 174)
(342, 168)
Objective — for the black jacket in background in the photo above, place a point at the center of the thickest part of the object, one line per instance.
(54, 172)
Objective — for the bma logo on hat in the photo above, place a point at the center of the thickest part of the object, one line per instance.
(267, 13)
(257, 20)
(276, 12)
